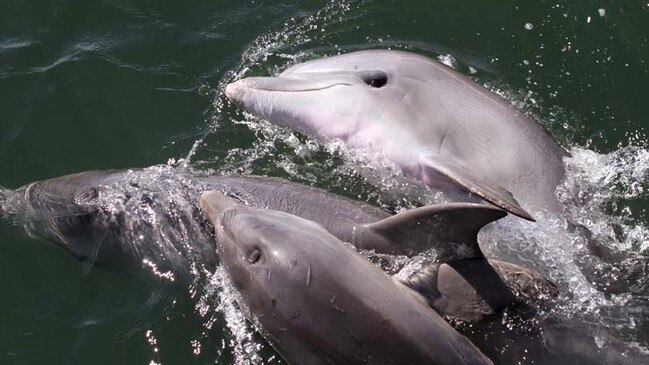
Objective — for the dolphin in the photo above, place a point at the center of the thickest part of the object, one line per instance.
(318, 301)
(149, 217)
(433, 122)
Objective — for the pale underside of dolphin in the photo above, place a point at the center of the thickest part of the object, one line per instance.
(433, 122)
(318, 301)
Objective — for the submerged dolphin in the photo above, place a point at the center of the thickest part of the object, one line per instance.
(149, 217)
(114, 207)
(433, 122)
(318, 301)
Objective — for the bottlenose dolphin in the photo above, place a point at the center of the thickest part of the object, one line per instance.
(149, 217)
(100, 206)
(433, 122)
(318, 301)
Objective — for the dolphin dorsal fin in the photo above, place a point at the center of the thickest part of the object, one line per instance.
(451, 228)
(489, 191)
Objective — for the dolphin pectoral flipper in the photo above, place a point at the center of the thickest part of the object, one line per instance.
(469, 290)
(473, 289)
(450, 228)
(488, 191)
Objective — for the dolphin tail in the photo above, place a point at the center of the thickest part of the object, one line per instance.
(450, 228)
(458, 175)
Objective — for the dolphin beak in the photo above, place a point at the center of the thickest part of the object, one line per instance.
(214, 203)
(234, 91)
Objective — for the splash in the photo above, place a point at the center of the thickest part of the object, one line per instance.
(603, 188)
(245, 348)
(597, 253)
(8, 203)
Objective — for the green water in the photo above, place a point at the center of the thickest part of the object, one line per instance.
(126, 83)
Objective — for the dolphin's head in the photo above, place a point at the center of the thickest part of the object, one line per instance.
(268, 253)
(333, 97)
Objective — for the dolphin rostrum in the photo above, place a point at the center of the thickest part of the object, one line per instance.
(433, 122)
(318, 301)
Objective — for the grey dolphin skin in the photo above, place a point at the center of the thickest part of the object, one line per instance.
(149, 217)
(318, 301)
(433, 122)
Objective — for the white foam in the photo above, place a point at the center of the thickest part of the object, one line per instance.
(600, 183)
(220, 298)
(593, 184)
(448, 60)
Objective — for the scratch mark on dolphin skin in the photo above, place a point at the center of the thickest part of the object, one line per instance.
(441, 142)
(378, 116)
(385, 106)
(295, 314)
(334, 306)
(270, 272)
(308, 275)
(358, 342)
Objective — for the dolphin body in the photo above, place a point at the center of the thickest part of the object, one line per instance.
(433, 122)
(149, 217)
(320, 302)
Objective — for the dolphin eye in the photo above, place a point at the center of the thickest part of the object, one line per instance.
(375, 79)
(254, 256)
